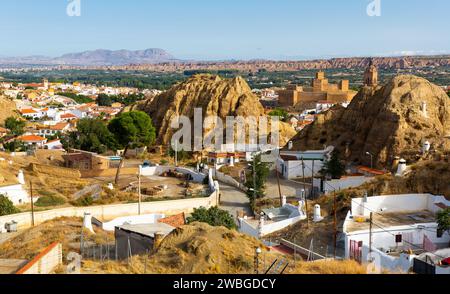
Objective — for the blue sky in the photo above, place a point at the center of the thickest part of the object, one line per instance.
(240, 29)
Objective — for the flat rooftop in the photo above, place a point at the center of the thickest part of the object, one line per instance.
(277, 214)
(392, 219)
(148, 230)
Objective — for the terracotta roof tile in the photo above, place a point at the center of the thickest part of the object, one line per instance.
(174, 220)
(32, 138)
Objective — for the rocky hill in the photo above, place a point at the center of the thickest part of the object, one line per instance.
(7, 109)
(98, 57)
(388, 121)
(214, 95)
(402, 62)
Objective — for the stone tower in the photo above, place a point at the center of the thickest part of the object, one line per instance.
(371, 75)
(45, 83)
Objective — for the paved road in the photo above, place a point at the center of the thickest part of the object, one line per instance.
(233, 200)
(288, 187)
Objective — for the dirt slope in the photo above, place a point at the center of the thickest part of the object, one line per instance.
(7, 109)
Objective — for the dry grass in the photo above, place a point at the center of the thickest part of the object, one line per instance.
(193, 249)
(62, 186)
(64, 230)
(202, 249)
(329, 267)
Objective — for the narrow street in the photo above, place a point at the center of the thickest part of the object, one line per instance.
(233, 200)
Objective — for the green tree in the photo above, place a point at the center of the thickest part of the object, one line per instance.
(181, 155)
(281, 113)
(80, 99)
(213, 216)
(6, 206)
(334, 167)
(257, 174)
(104, 100)
(15, 125)
(443, 220)
(91, 135)
(132, 129)
(14, 146)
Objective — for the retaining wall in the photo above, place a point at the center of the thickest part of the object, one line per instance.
(107, 212)
(56, 170)
(45, 262)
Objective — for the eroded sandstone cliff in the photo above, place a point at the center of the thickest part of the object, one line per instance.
(7, 109)
(214, 95)
(389, 121)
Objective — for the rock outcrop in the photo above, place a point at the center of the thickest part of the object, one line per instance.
(214, 95)
(7, 109)
(389, 121)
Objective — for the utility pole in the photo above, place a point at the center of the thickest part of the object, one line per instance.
(32, 204)
(254, 177)
(371, 159)
(335, 224)
(139, 191)
(176, 154)
(312, 181)
(304, 189)
(279, 187)
(370, 233)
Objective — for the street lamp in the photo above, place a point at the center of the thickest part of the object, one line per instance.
(258, 251)
(139, 191)
(371, 158)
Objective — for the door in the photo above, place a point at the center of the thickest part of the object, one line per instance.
(356, 250)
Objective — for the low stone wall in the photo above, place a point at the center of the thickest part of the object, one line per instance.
(221, 177)
(111, 172)
(107, 212)
(56, 171)
(45, 262)
(159, 170)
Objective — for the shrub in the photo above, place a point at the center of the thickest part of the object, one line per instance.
(214, 216)
(49, 199)
(6, 206)
(86, 200)
(443, 220)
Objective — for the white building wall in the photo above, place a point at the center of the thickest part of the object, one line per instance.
(132, 220)
(159, 170)
(112, 211)
(341, 184)
(397, 203)
(293, 169)
(247, 228)
(277, 226)
(16, 193)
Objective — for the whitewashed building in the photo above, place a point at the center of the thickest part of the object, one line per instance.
(290, 163)
(273, 219)
(403, 232)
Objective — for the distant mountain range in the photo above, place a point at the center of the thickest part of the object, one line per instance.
(158, 59)
(99, 57)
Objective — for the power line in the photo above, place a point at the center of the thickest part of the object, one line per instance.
(418, 247)
(379, 226)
